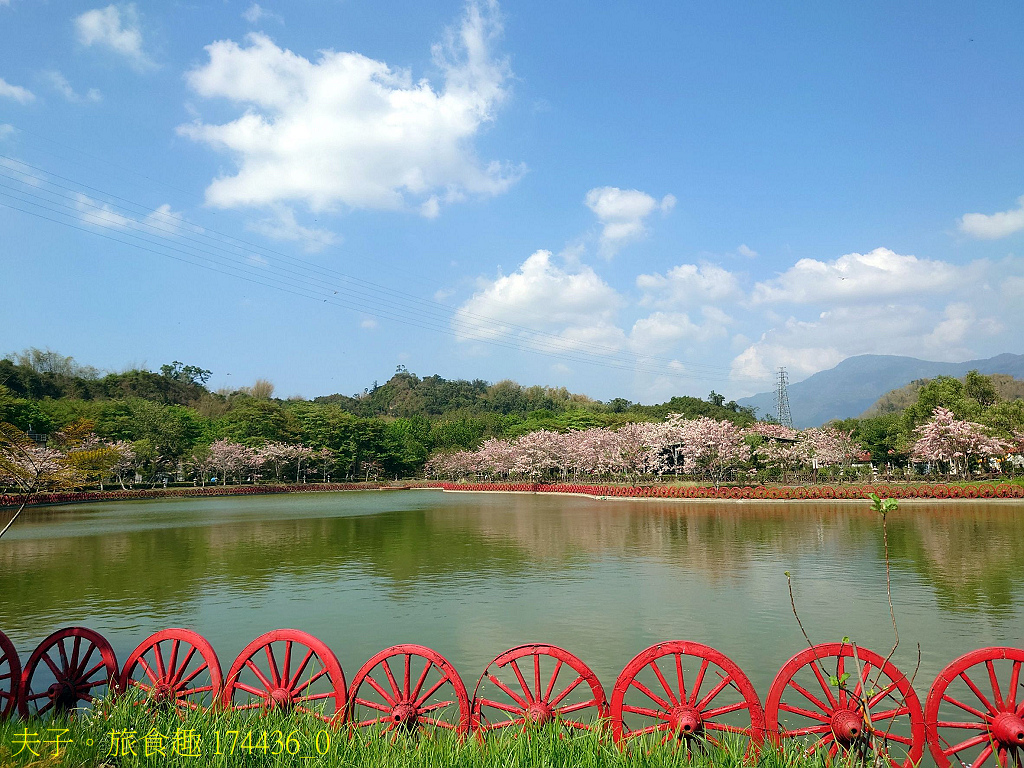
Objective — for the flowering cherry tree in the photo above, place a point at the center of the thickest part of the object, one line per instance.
(713, 448)
(956, 443)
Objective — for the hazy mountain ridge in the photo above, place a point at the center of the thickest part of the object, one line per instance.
(857, 383)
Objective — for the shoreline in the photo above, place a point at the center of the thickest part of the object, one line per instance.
(855, 493)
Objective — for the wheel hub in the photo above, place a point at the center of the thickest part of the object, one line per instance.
(281, 698)
(404, 715)
(685, 721)
(1008, 729)
(162, 692)
(539, 713)
(847, 725)
(62, 695)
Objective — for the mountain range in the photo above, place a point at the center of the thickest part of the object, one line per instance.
(855, 384)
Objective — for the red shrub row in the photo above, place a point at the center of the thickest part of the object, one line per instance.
(922, 491)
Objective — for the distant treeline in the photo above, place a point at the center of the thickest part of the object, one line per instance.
(168, 415)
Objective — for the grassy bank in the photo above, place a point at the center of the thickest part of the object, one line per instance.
(111, 735)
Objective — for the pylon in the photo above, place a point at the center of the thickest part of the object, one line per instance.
(782, 400)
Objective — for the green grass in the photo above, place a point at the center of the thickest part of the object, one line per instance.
(99, 738)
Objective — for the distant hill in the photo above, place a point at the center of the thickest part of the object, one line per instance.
(855, 384)
(1007, 387)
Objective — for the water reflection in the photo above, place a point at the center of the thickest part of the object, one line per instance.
(479, 573)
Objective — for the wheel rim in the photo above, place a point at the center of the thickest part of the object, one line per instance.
(536, 685)
(695, 696)
(174, 668)
(408, 689)
(975, 710)
(73, 665)
(286, 670)
(803, 705)
(10, 676)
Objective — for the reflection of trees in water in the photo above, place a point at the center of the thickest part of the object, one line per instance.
(160, 571)
(971, 555)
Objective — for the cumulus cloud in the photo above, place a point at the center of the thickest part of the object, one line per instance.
(63, 87)
(996, 225)
(283, 225)
(573, 304)
(114, 28)
(857, 276)
(688, 284)
(661, 331)
(806, 346)
(16, 92)
(745, 250)
(623, 213)
(349, 130)
(161, 222)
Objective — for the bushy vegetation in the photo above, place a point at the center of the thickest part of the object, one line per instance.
(169, 417)
(104, 736)
(890, 437)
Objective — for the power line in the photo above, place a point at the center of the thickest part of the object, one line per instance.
(432, 306)
(306, 293)
(295, 276)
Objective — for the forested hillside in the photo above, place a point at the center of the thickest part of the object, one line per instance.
(170, 416)
(1006, 388)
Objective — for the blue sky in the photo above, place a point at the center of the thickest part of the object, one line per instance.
(626, 200)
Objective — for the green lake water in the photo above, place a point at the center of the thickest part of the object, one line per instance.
(473, 574)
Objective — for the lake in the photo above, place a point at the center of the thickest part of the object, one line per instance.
(472, 574)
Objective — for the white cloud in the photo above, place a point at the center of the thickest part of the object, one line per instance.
(63, 87)
(745, 250)
(6, 130)
(575, 305)
(996, 225)
(807, 346)
(115, 28)
(169, 221)
(350, 130)
(16, 92)
(256, 13)
(687, 285)
(622, 213)
(659, 332)
(856, 277)
(100, 214)
(282, 225)
(368, 323)
(960, 320)
(163, 219)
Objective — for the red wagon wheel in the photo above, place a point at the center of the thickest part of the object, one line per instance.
(289, 670)
(409, 689)
(73, 664)
(805, 703)
(10, 676)
(970, 724)
(697, 696)
(175, 667)
(552, 685)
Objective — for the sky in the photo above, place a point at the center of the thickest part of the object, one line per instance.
(628, 200)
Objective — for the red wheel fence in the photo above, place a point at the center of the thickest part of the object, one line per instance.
(832, 698)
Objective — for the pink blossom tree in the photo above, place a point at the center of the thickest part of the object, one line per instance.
(713, 448)
(956, 443)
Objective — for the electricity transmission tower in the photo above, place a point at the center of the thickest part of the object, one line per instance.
(782, 400)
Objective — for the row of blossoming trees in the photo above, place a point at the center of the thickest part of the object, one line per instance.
(716, 451)
(704, 448)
